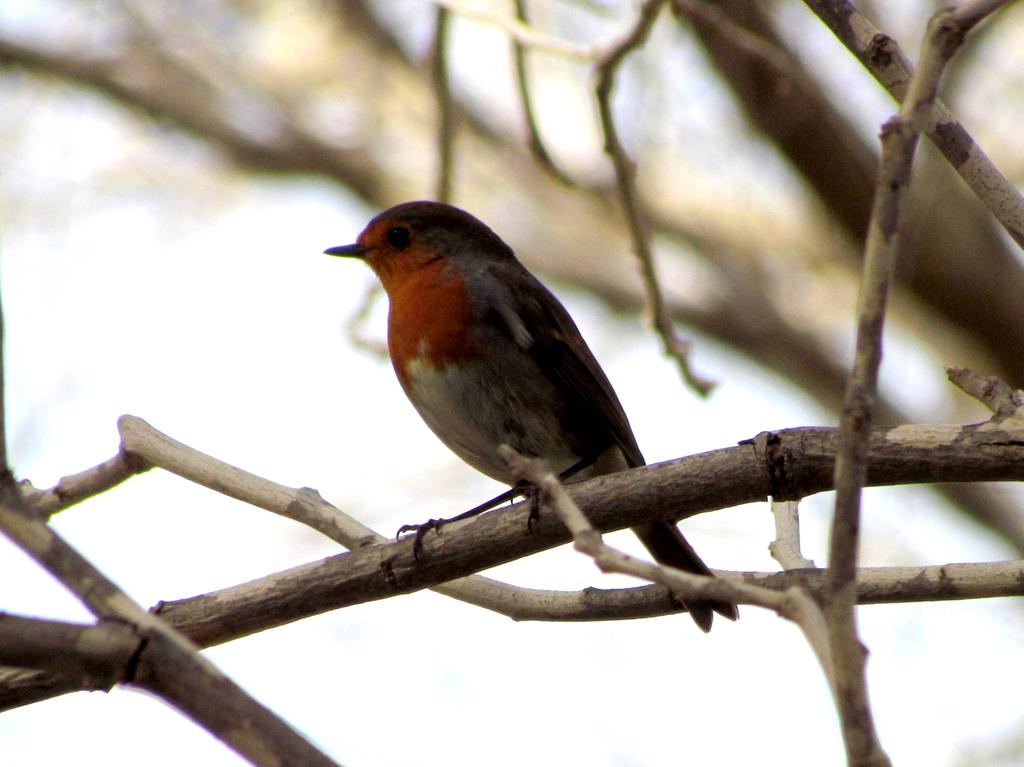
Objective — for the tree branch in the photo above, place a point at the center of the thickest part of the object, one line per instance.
(862, 745)
(76, 488)
(166, 662)
(605, 70)
(445, 108)
(785, 549)
(98, 656)
(787, 464)
(886, 61)
(990, 391)
(899, 141)
(535, 141)
(519, 31)
(304, 505)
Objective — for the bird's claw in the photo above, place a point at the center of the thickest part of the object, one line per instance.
(420, 530)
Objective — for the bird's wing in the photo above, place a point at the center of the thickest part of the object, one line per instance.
(546, 331)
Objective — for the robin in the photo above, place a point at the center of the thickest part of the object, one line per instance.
(489, 356)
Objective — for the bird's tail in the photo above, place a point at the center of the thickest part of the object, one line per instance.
(669, 547)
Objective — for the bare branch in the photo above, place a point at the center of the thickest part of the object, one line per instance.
(968, 15)
(305, 506)
(100, 655)
(793, 603)
(875, 585)
(606, 68)
(445, 108)
(862, 745)
(588, 541)
(534, 138)
(886, 61)
(785, 549)
(75, 488)
(166, 662)
(794, 463)
(988, 390)
(520, 32)
(800, 462)
(161, 660)
(788, 464)
(899, 142)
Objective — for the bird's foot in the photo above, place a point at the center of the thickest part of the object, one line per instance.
(420, 530)
(509, 495)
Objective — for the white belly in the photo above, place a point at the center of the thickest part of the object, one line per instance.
(473, 411)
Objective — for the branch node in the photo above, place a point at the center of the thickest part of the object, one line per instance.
(990, 391)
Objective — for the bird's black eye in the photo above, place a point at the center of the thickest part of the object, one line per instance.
(398, 237)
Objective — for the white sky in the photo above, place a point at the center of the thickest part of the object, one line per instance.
(216, 318)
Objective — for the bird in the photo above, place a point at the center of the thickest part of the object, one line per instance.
(489, 356)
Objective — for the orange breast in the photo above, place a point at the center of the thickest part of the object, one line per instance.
(428, 320)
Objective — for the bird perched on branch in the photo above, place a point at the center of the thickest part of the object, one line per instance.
(488, 356)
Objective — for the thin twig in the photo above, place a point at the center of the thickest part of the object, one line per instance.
(886, 61)
(968, 15)
(75, 488)
(605, 70)
(860, 737)
(535, 140)
(102, 654)
(520, 32)
(785, 549)
(899, 142)
(445, 108)
(588, 540)
(793, 603)
(991, 391)
(148, 445)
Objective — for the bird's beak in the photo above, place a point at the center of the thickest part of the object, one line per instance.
(351, 251)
